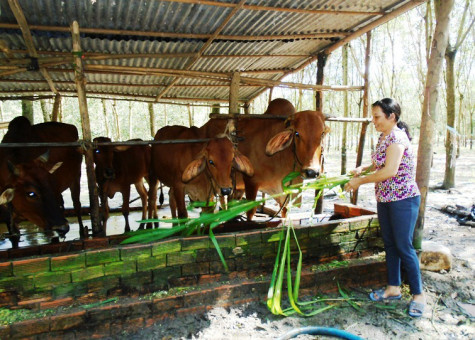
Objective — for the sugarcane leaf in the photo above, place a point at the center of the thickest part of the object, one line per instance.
(218, 249)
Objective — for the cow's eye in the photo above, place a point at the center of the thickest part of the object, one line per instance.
(211, 162)
(97, 151)
(297, 134)
(31, 194)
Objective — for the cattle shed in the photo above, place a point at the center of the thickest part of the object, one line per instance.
(177, 51)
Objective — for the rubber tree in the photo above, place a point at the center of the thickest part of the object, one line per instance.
(452, 134)
(429, 109)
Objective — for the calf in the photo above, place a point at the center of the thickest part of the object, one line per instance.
(200, 171)
(117, 168)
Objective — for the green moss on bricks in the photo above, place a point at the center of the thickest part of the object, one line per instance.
(271, 236)
(31, 266)
(183, 257)
(70, 290)
(195, 243)
(87, 274)
(52, 279)
(122, 267)
(68, 263)
(166, 247)
(94, 258)
(228, 241)
(6, 269)
(248, 238)
(153, 262)
(16, 283)
(135, 252)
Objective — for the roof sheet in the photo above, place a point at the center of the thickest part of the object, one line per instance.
(264, 39)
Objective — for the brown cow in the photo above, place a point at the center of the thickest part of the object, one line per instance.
(276, 148)
(117, 168)
(28, 190)
(280, 107)
(201, 171)
(68, 175)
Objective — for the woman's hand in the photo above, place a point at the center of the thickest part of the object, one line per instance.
(356, 172)
(353, 184)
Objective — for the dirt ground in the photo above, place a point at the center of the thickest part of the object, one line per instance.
(450, 310)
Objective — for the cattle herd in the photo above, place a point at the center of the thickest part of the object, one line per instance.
(32, 179)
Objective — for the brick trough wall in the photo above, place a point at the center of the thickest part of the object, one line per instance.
(84, 276)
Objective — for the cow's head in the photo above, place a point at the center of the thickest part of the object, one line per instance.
(216, 159)
(104, 158)
(32, 192)
(304, 133)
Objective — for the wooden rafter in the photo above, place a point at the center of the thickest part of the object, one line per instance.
(205, 46)
(277, 9)
(333, 46)
(25, 30)
(172, 35)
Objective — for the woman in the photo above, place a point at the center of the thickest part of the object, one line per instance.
(398, 200)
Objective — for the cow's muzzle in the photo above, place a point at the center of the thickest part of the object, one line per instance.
(109, 173)
(310, 173)
(226, 191)
(62, 230)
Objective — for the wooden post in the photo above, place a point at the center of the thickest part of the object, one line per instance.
(429, 112)
(322, 59)
(233, 103)
(86, 131)
(56, 107)
(345, 110)
(152, 119)
(364, 126)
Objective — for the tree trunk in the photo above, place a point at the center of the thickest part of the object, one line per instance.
(104, 111)
(116, 119)
(345, 109)
(429, 112)
(46, 117)
(27, 110)
(130, 120)
(451, 134)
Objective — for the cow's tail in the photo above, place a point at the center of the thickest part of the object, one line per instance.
(161, 198)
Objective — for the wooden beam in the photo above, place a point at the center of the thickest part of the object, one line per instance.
(234, 94)
(28, 39)
(277, 9)
(204, 47)
(97, 229)
(172, 35)
(56, 107)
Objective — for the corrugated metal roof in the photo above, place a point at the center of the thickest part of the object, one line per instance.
(166, 35)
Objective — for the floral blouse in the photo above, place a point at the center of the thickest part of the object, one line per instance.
(403, 185)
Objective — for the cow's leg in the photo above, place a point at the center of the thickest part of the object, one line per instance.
(125, 206)
(143, 197)
(251, 194)
(172, 202)
(152, 200)
(179, 193)
(104, 209)
(75, 194)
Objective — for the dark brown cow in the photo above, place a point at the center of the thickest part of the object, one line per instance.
(280, 107)
(276, 148)
(28, 190)
(68, 175)
(200, 171)
(117, 168)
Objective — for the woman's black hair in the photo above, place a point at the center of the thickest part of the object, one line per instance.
(388, 106)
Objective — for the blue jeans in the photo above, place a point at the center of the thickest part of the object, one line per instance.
(397, 221)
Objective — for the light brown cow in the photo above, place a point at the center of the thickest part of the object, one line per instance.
(117, 168)
(199, 170)
(67, 176)
(277, 148)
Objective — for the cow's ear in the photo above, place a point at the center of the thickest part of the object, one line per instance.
(243, 164)
(193, 169)
(327, 129)
(55, 167)
(279, 142)
(7, 196)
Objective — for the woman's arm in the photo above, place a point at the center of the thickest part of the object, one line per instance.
(394, 155)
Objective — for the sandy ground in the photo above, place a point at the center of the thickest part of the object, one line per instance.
(450, 310)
